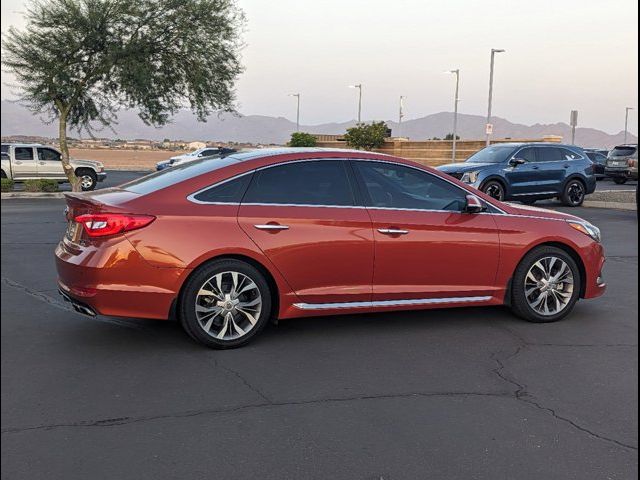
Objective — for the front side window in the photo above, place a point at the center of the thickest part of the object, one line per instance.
(48, 154)
(322, 182)
(396, 186)
(527, 154)
(23, 153)
(550, 154)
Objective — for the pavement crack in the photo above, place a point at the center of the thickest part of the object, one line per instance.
(521, 393)
(63, 305)
(246, 382)
(118, 421)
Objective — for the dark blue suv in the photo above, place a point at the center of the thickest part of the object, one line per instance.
(528, 172)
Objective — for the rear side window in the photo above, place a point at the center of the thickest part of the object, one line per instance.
(550, 154)
(176, 174)
(322, 182)
(23, 153)
(569, 155)
(230, 191)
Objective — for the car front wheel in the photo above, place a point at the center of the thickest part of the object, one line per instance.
(225, 304)
(545, 286)
(88, 179)
(494, 189)
(573, 194)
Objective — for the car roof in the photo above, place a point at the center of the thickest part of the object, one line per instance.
(24, 144)
(271, 152)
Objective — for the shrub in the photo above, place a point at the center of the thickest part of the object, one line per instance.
(40, 185)
(302, 139)
(366, 136)
(7, 185)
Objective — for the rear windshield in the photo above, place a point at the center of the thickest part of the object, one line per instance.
(622, 151)
(179, 173)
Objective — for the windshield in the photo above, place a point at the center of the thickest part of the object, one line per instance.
(493, 154)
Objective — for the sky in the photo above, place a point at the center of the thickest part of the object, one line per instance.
(561, 55)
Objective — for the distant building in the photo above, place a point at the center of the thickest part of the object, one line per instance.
(196, 145)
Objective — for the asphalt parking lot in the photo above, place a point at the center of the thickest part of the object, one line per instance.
(455, 394)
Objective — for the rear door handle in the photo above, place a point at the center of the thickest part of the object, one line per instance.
(271, 226)
(393, 231)
(535, 167)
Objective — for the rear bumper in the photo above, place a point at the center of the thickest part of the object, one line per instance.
(115, 280)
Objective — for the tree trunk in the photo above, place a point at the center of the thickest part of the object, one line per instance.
(64, 149)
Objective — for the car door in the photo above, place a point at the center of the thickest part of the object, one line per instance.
(24, 164)
(303, 215)
(555, 163)
(49, 163)
(425, 247)
(522, 178)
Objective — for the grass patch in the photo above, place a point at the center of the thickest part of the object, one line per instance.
(7, 185)
(40, 185)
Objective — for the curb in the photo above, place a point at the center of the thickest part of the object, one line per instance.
(10, 195)
(610, 205)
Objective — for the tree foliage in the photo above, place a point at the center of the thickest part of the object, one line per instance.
(302, 139)
(80, 61)
(366, 136)
(449, 136)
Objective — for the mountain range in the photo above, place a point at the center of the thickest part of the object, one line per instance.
(260, 129)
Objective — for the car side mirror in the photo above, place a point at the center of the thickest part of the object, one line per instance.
(474, 205)
(514, 162)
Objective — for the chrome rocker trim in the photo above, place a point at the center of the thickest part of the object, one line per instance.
(390, 303)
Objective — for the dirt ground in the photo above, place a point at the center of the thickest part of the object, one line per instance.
(120, 159)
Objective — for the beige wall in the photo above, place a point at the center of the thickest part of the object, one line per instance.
(429, 152)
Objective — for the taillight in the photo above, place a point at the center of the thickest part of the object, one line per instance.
(104, 224)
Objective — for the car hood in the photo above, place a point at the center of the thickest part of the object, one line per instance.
(528, 211)
(462, 167)
(85, 163)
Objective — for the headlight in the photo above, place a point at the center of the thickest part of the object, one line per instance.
(588, 229)
(469, 177)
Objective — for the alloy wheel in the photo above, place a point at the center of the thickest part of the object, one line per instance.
(494, 190)
(86, 181)
(228, 305)
(576, 192)
(549, 286)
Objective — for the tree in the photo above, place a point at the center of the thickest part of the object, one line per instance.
(366, 136)
(80, 61)
(302, 139)
(449, 136)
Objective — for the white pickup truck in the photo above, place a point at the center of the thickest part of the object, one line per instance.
(26, 161)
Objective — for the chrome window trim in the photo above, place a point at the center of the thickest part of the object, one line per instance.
(192, 198)
(580, 157)
(390, 303)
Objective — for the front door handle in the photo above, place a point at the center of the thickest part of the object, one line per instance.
(42, 163)
(535, 167)
(393, 231)
(271, 226)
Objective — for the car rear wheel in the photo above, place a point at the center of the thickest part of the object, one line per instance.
(494, 189)
(619, 180)
(88, 179)
(225, 304)
(546, 285)
(574, 193)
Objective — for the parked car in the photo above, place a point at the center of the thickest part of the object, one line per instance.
(26, 161)
(528, 172)
(599, 160)
(213, 152)
(226, 246)
(622, 163)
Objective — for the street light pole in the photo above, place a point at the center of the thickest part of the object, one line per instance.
(297, 95)
(626, 121)
(493, 54)
(455, 113)
(359, 87)
(400, 115)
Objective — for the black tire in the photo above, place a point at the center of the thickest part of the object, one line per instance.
(573, 193)
(2, 174)
(187, 305)
(88, 179)
(619, 180)
(519, 303)
(529, 201)
(494, 189)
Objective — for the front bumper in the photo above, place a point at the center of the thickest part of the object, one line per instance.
(102, 176)
(594, 260)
